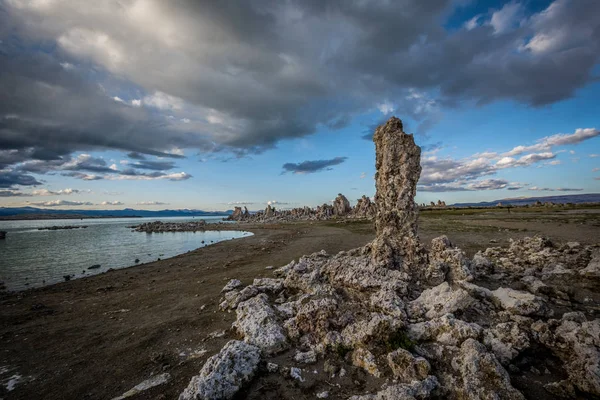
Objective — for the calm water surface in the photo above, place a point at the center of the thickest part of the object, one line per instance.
(32, 258)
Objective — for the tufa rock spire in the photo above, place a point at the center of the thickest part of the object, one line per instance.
(398, 170)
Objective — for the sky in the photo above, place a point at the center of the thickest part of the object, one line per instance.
(207, 105)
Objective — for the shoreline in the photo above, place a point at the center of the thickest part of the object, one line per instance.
(92, 274)
(100, 336)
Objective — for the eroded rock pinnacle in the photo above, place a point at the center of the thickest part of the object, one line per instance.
(398, 170)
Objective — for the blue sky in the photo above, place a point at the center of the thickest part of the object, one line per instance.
(134, 104)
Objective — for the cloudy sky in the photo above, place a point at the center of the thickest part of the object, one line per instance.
(207, 104)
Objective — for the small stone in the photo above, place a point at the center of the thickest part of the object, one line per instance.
(323, 395)
(296, 373)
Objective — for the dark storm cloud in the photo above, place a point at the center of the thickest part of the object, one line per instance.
(309, 167)
(136, 156)
(154, 165)
(240, 76)
(11, 179)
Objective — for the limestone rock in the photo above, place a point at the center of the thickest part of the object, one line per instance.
(414, 390)
(364, 359)
(458, 264)
(378, 328)
(398, 171)
(258, 324)
(224, 374)
(406, 367)
(576, 342)
(364, 208)
(446, 330)
(520, 303)
(231, 285)
(271, 285)
(234, 297)
(482, 375)
(341, 206)
(506, 340)
(389, 303)
(440, 300)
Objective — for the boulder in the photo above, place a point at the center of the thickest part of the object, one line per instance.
(225, 373)
(520, 303)
(406, 367)
(482, 375)
(440, 300)
(258, 324)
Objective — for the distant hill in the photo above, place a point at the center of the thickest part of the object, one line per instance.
(40, 213)
(521, 201)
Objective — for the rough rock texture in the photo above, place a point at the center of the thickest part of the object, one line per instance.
(576, 342)
(341, 206)
(392, 321)
(224, 373)
(364, 208)
(259, 325)
(482, 375)
(398, 171)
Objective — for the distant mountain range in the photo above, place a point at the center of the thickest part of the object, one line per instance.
(521, 201)
(39, 213)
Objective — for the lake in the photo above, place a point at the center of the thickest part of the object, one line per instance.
(31, 258)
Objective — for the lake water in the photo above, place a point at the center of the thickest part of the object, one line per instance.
(32, 258)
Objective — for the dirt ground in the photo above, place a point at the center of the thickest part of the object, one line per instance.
(98, 337)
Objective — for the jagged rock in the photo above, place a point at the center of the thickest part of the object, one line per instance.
(237, 214)
(364, 208)
(506, 340)
(398, 170)
(258, 324)
(458, 264)
(406, 367)
(481, 266)
(341, 206)
(234, 297)
(576, 342)
(314, 317)
(231, 285)
(592, 270)
(224, 373)
(446, 330)
(271, 285)
(520, 303)
(364, 359)
(440, 300)
(269, 211)
(482, 375)
(377, 328)
(414, 390)
(389, 303)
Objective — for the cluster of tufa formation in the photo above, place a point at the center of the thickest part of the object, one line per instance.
(158, 227)
(392, 321)
(340, 208)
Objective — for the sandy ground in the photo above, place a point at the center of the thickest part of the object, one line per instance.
(97, 337)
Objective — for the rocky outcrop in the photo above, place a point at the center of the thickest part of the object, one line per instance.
(224, 373)
(364, 208)
(417, 324)
(158, 226)
(398, 171)
(341, 206)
